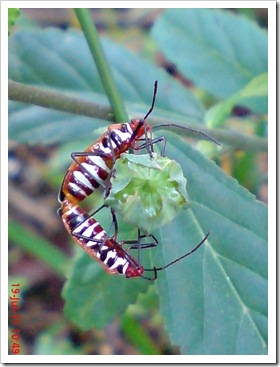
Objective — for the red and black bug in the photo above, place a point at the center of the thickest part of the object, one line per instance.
(93, 239)
(91, 170)
(110, 253)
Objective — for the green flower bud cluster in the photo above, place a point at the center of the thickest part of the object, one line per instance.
(147, 192)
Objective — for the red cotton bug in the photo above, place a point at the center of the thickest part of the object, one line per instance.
(92, 167)
(92, 238)
(91, 170)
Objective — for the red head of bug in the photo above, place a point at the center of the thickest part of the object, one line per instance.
(132, 271)
(141, 127)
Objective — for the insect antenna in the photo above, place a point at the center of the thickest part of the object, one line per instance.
(148, 140)
(153, 101)
(155, 269)
(208, 137)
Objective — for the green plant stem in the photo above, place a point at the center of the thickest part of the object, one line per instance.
(102, 65)
(39, 247)
(45, 98)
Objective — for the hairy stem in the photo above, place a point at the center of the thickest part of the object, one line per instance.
(102, 65)
(46, 98)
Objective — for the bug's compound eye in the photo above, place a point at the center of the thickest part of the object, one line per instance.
(124, 128)
(127, 130)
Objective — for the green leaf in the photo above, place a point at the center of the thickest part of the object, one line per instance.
(256, 89)
(94, 298)
(218, 114)
(62, 62)
(219, 51)
(214, 302)
(13, 14)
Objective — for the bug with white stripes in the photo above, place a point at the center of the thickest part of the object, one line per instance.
(91, 170)
(93, 239)
(110, 253)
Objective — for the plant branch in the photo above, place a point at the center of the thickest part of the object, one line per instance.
(46, 98)
(102, 65)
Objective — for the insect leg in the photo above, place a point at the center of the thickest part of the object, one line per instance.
(136, 244)
(98, 153)
(160, 139)
(114, 219)
(155, 269)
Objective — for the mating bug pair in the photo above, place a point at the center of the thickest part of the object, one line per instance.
(91, 170)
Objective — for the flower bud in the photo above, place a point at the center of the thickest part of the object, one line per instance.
(147, 192)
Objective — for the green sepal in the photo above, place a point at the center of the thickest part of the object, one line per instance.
(147, 193)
